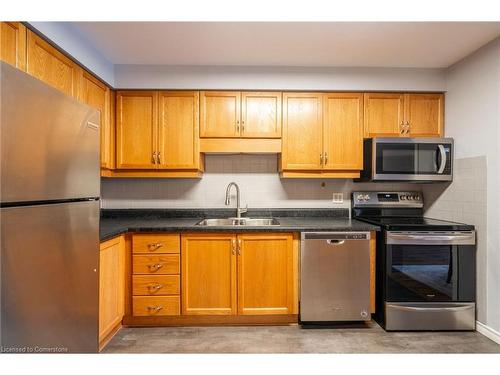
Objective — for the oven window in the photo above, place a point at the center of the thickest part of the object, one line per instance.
(421, 273)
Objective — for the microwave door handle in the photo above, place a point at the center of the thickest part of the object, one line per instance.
(442, 152)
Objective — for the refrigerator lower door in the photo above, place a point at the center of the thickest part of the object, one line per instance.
(49, 282)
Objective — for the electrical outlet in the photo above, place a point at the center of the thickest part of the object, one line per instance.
(338, 198)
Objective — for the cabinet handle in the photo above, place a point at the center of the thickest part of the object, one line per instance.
(321, 158)
(326, 158)
(242, 126)
(154, 246)
(239, 246)
(234, 246)
(154, 157)
(159, 157)
(154, 267)
(155, 308)
(155, 288)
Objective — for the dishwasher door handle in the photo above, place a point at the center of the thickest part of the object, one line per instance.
(335, 242)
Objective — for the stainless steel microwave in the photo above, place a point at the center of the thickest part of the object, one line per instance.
(407, 159)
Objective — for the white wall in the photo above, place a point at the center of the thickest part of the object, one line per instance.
(277, 78)
(71, 41)
(473, 120)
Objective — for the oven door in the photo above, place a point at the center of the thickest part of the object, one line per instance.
(430, 266)
(412, 159)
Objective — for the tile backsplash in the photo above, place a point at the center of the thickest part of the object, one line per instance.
(257, 177)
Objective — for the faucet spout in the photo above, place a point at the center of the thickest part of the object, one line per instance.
(239, 210)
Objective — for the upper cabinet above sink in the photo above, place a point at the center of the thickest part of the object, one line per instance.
(234, 121)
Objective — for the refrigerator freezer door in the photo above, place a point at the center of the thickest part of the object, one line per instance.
(49, 142)
(49, 282)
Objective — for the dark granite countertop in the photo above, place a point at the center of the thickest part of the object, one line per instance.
(116, 222)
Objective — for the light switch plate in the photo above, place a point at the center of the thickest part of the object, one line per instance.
(338, 198)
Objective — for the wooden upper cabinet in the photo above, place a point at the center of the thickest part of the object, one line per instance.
(96, 94)
(302, 147)
(265, 274)
(178, 130)
(136, 129)
(13, 44)
(343, 131)
(261, 114)
(220, 114)
(383, 114)
(111, 285)
(424, 115)
(208, 274)
(51, 66)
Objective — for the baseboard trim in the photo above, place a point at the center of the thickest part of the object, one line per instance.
(489, 332)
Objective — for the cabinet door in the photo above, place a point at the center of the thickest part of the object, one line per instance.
(425, 114)
(261, 114)
(265, 274)
(51, 66)
(111, 285)
(302, 147)
(96, 94)
(383, 115)
(178, 129)
(219, 114)
(136, 123)
(208, 274)
(343, 131)
(13, 44)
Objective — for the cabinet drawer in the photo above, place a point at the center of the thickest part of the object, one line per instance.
(156, 306)
(156, 264)
(146, 285)
(156, 244)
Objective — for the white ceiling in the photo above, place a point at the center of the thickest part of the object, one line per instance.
(347, 44)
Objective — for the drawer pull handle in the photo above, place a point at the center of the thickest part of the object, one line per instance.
(155, 288)
(154, 246)
(155, 308)
(155, 267)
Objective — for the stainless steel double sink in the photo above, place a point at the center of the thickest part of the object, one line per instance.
(234, 221)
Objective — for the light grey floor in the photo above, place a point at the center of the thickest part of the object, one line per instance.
(293, 339)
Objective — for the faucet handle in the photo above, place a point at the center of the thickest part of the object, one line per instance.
(242, 210)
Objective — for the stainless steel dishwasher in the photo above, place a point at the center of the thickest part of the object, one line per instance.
(334, 277)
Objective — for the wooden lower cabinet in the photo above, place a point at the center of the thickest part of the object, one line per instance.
(245, 274)
(111, 286)
(265, 274)
(208, 274)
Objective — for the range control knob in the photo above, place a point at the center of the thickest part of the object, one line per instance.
(367, 197)
(360, 197)
(403, 197)
(417, 197)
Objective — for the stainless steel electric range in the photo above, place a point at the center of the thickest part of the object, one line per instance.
(426, 268)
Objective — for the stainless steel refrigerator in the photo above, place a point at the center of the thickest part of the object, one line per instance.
(50, 187)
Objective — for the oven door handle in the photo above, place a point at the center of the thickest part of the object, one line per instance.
(468, 238)
(431, 309)
(442, 152)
